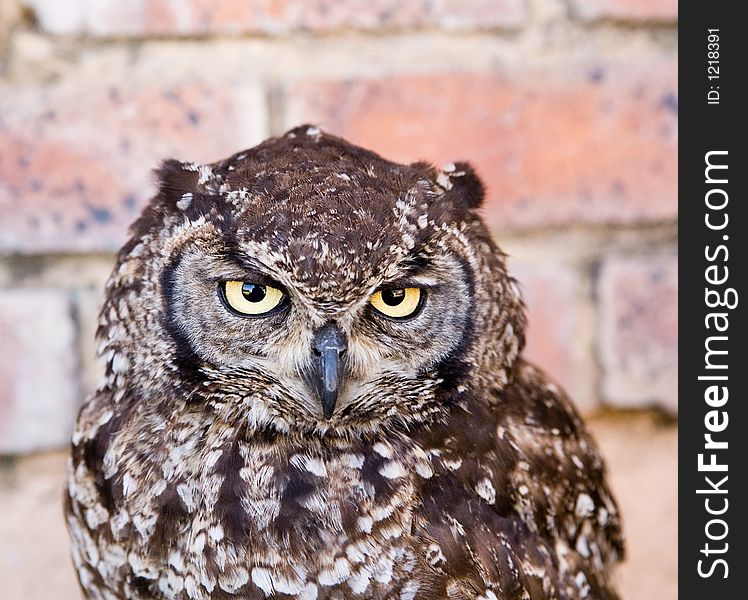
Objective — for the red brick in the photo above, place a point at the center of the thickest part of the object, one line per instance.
(38, 387)
(661, 11)
(558, 339)
(76, 159)
(593, 143)
(195, 17)
(638, 333)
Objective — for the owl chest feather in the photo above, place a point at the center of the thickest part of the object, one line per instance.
(249, 515)
(200, 511)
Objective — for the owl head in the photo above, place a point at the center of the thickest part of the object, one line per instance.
(310, 287)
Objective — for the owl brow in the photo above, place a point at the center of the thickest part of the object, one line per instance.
(246, 269)
(404, 282)
(413, 269)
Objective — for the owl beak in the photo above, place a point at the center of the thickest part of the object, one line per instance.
(328, 346)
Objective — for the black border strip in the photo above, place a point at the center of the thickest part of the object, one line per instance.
(705, 127)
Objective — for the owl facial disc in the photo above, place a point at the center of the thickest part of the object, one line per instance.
(328, 346)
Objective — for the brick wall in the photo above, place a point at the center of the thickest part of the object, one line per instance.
(567, 108)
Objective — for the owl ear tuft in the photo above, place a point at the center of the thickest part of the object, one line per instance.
(180, 189)
(175, 179)
(463, 185)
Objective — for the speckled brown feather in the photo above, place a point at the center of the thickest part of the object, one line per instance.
(203, 468)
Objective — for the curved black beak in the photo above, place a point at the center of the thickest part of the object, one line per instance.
(328, 346)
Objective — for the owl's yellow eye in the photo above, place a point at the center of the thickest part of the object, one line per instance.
(397, 303)
(250, 298)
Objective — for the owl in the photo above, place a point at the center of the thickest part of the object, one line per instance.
(315, 389)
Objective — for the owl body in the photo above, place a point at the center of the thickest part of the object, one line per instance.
(315, 389)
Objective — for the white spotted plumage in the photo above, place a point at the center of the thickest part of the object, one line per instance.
(205, 467)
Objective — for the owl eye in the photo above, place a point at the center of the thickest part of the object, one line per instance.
(249, 298)
(397, 303)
